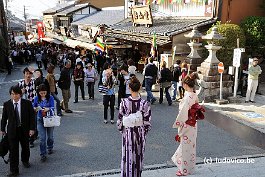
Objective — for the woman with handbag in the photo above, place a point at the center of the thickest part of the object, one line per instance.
(52, 82)
(134, 124)
(44, 106)
(185, 156)
(109, 81)
(90, 78)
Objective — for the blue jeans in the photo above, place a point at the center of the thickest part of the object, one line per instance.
(175, 89)
(46, 137)
(148, 89)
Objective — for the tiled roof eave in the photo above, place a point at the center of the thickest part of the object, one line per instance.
(187, 28)
(161, 40)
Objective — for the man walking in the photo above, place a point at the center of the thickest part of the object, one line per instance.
(27, 86)
(150, 75)
(20, 116)
(253, 75)
(65, 83)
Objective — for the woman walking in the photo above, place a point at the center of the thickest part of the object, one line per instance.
(133, 132)
(165, 83)
(44, 104)
(52, 82)
(78, 77)
(185, 156)
(90, 78)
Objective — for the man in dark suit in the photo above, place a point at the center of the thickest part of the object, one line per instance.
(21, 125)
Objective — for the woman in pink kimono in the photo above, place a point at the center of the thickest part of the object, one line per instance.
(185, 156)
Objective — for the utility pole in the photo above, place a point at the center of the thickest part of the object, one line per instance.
(25, 17)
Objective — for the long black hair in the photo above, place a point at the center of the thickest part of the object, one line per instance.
(43, 87)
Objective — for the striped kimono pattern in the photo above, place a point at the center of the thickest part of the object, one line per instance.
(133, 138)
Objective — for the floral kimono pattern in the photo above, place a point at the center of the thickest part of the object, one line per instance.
(185, 156)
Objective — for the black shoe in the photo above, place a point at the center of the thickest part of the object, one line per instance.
(246, 101)
(153, 101)
(26, 164)
(50, 151)
(31, 145)
(68, 111)
(59, 114)
(12, 174)
(252, 101)
(169, 104)
(84, 99)
(43, 158)
(117, 108)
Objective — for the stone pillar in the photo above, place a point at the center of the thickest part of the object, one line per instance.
(194, 59)
(209, 70)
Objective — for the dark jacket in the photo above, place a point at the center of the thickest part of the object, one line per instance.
(78, 74)
(122, 86)
(176, 73)
(65, 79)
(151, 70)
(166, 75)
(27, 118)
(42, 80)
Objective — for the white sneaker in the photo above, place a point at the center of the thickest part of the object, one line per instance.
(105, 121)
(112, 121)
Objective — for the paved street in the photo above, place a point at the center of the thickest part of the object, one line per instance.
(84, 144)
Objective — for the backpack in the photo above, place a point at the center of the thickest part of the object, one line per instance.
(4, 147)
(176, 73)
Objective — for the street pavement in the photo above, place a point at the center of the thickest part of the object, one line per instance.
(83, 144)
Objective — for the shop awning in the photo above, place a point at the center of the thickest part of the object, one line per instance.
(72, 43)
(51, 40)
(87, 45)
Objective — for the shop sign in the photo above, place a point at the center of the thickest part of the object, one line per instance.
(142, 15)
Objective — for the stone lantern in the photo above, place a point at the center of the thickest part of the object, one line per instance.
(212, 48)
(194, 59)
(209, 70)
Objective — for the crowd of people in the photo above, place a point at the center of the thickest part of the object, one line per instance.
(33, 98)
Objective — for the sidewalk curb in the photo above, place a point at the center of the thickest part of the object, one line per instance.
(155, 167)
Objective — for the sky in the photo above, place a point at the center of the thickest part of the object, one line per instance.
(34, 8)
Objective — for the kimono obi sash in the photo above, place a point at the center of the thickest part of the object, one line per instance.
(133, 120)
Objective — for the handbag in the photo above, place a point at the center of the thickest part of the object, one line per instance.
(4, 148)
(51, 120)
(102, 89)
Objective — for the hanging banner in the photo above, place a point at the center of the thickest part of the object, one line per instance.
(40, 30)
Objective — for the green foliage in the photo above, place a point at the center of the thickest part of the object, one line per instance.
(231, 32)
(254, 29)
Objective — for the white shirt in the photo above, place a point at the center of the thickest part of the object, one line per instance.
(77, 60)
(127, 82)
(132, 69)
(18, 107)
